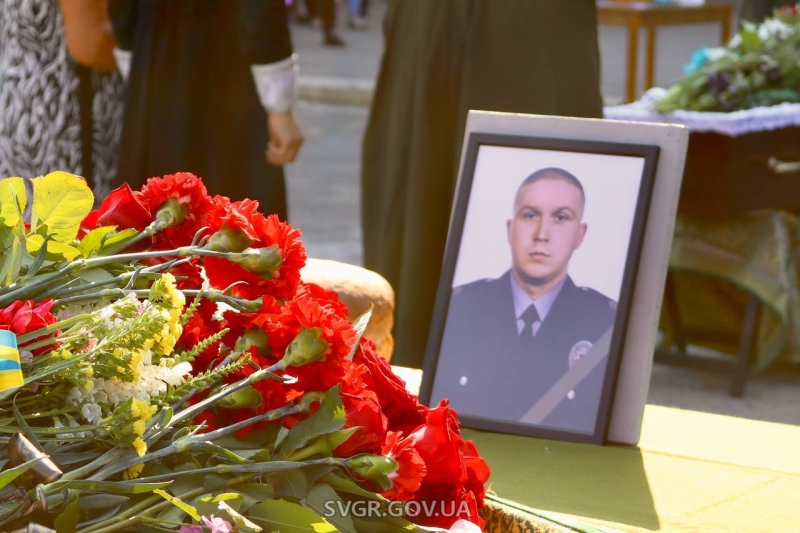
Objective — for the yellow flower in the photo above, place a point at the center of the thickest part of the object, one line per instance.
(136, 358)
(133, 472)
(142, 410)
(148, 344)
(138, 427)
(140, 446)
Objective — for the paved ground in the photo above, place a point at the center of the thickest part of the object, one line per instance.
(324, 186)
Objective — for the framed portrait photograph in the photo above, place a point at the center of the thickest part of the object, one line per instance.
(535, 294)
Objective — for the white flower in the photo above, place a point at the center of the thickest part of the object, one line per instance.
(774, 27)
(78, 434)
(92, 413)
(714, 54)
(76, 395)
(735, 41)
(175, 375)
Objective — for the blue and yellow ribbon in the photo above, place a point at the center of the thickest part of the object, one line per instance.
(10, 369)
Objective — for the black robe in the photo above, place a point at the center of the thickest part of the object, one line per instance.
(191, 102)
(443, 58)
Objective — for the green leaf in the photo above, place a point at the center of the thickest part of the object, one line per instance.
(253, 493)
(7, 476)
(13, 200)
(246, 398)
(116, 239)
(287, 517)
(315, 472)
(67, 521)
(177, 502)
(61, 202)
(360, 325)
(114, 487)
(292, 483)
(318, 499)
(172, 514)
(241, 523)
(208, 504)
(343, 484)
(12, 261)
(214, 481)
(328, 418)
(54, 251)
(94, 275)
(94, 240)
(750, 40)
(23, 425)
(93, 502)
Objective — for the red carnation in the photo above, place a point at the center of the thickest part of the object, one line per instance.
(312, 307)
(122, 208)
(237, 215)
(411, 469)
(455, 473)
(363, 412)
(401, 408)
(198, 210)
(23, 317)
(265, 232)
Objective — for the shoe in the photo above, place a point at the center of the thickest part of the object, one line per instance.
(304, 19)
(357, 23)
(331, 39)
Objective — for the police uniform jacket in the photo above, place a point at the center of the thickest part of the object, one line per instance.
(482, 367)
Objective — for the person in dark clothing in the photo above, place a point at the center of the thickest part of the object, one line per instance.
(201, 76)
(441, 59)
(325, 11)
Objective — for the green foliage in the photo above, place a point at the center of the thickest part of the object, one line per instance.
(759, 66)
(61, 201)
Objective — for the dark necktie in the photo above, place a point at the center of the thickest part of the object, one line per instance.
(528, 318)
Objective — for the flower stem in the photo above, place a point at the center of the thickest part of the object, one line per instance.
(52, 328)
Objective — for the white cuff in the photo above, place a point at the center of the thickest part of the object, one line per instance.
(275, 83)
(123, 59)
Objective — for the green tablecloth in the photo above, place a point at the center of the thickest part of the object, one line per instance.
(691, 472)
(713, 262)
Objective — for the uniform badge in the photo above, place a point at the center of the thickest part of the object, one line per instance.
(578, 350)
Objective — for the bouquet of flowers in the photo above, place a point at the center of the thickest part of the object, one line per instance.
(164, 368)
(759, 66)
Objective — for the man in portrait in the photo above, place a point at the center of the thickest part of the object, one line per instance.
(521, 348)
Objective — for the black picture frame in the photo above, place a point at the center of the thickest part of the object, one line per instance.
(475, 142)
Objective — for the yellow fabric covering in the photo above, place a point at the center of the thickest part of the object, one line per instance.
(691, 472)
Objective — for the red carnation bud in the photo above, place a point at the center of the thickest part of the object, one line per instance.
(229, 240)
(375, 468)
(171, 212)
(306, 348)
(253, 338)
(261, 261)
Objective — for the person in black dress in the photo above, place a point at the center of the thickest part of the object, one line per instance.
(201, 76)
(441, 59)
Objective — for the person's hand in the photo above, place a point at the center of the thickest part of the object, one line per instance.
(285, 138)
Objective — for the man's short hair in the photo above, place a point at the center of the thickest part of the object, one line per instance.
(553, 173)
